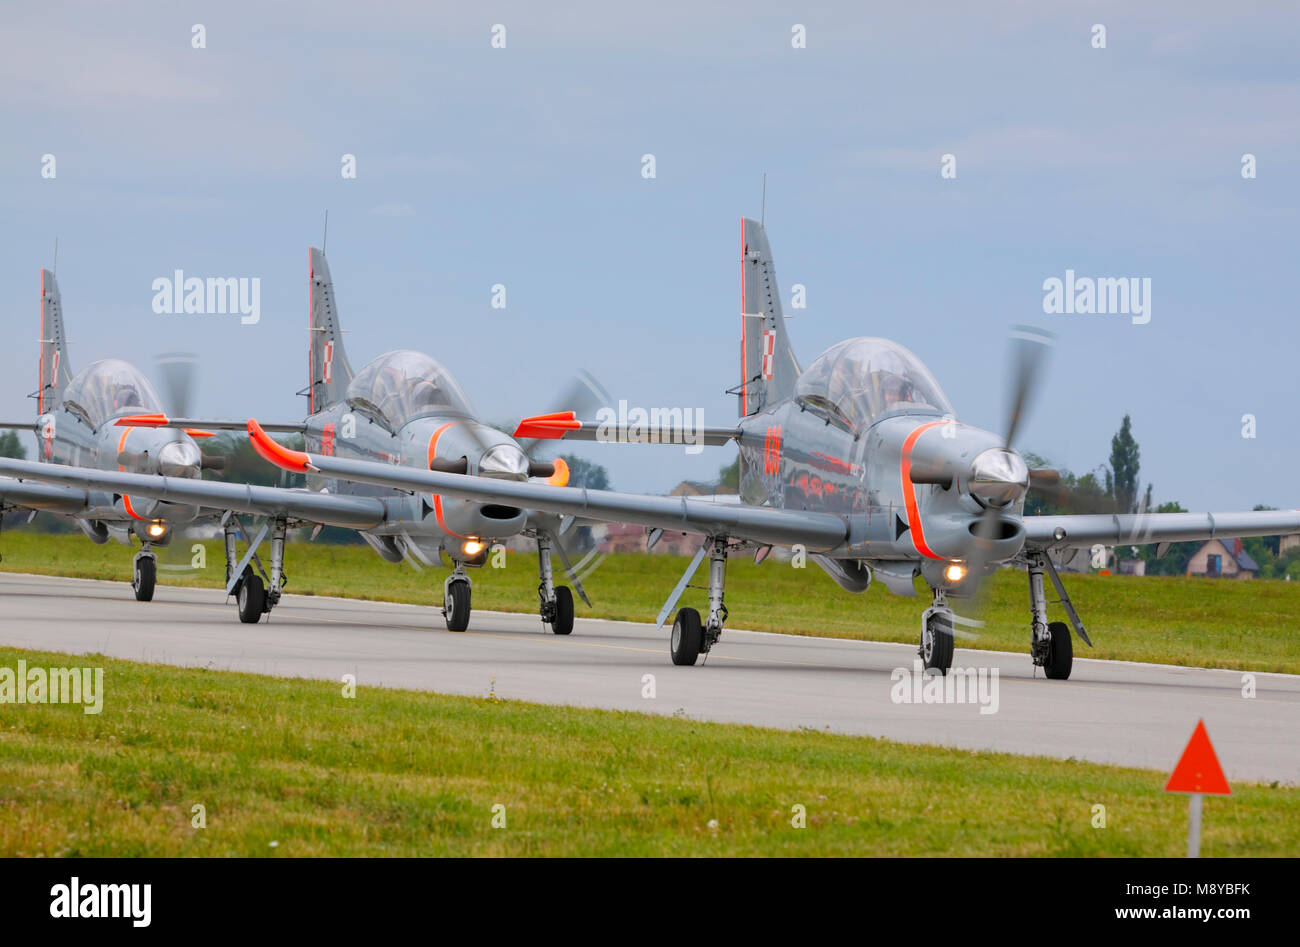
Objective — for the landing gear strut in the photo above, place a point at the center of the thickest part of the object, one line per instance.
(1050, 644)
(937, 624)
(556, 600)
(456, 598)
(144, 573)
(690, 637)
(256, 593)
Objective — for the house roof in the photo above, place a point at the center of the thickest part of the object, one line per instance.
(1243, 558)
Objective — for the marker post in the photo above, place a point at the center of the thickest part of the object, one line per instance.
(1198, 772)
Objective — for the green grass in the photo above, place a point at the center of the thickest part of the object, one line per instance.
(401, 773)
(1245, 625)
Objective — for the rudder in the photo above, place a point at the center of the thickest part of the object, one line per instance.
(55, 370)
(769, 368)
(330, 373)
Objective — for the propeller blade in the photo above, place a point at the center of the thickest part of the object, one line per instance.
(1029, 348)
(178, 371)
(582, 395)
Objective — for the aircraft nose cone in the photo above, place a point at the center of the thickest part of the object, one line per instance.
(179, 459)
(998, 477)
(505, 461)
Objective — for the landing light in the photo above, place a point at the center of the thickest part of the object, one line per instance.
(156, 530)
(955, 572)
(472, 547)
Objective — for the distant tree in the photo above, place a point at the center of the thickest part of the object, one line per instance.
(10, 446)
(1174, 561)
(1272, 542)
(245, 465)
(1122, 476)
(729, 476)
(585, 473)
(1070, 494)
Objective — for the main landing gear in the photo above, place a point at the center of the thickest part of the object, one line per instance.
(556, 600)
(692, 637)
(144, 573)
(1049, 643)
(256, 592)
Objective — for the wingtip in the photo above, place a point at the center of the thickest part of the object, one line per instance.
(548, 426)
(142, 420)
(276, 453)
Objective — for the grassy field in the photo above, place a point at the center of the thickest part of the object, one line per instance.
(1247, 625)
(290, 767)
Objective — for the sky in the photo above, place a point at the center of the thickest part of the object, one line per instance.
(523, 166)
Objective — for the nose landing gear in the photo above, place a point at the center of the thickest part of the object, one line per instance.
(936, 634)
(144, 573)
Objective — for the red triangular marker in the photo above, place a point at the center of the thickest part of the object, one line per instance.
(1198, 769)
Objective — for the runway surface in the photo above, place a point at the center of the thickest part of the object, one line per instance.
(1109, 711)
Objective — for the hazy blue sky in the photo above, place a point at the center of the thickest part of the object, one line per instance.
(522, 166)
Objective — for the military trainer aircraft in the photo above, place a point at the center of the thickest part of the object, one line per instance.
(78, 424)
(860, 459)
(401, 409)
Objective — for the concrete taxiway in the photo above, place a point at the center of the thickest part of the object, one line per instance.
(1109, 711)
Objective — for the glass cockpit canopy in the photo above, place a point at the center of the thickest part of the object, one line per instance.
(110, 388)
(403, 385)
(860, 380)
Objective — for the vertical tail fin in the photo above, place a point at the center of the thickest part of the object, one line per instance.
(768, 366)
(54, 367)
(329, 368)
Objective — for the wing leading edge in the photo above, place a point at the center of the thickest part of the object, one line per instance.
(328, 509)
(818, 531)
(1138, 529)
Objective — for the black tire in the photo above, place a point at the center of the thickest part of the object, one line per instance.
(687, 637)
(251, 598)
(456, 607)
(144, 578)
(940, 644)
(563, 623)
(1060, 656)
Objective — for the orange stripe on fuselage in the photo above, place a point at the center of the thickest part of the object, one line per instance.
(909, 490)
(437, 500)
(126, 500)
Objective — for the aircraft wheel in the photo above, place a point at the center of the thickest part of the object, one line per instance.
(144, 578)
(251, 599)
(563, 623)
(1060, 656)
(687, 638)
(456, 606)
(937, 643)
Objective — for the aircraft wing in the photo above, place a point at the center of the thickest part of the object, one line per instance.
(1138, 529)
(565, 425)
(296, 504)
(817, 531)
(41, 496)
(162, 420)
